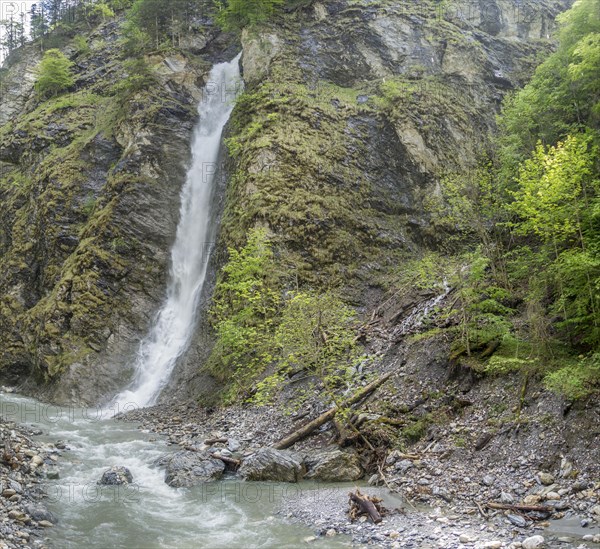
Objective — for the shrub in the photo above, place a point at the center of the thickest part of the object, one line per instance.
(54, 74)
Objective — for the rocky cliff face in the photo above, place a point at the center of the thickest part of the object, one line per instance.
(353, 114)
(354, 111)
(89, 201)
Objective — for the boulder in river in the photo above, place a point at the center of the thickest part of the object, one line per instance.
(187, 468)
(334, 465)
(39, 512)
(116, 476)
(268, 464)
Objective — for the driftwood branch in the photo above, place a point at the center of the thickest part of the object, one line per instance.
(519, 507)
(235, 463)
(364, 505)
(481, 510)
(211, 441)
(311, 426)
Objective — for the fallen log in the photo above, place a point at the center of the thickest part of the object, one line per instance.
(520, 507)
(211, 441)
(235, 463)
(362, 504)
(309, 427)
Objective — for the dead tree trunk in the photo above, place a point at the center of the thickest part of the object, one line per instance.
(519, 507)
(309, 427)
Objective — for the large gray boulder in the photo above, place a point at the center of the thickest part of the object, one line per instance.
(185, 469)
(116, 476)
(268, 464)
(334, 465)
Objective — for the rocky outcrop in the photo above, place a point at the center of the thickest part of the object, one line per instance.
(268, 464)
(333, 465)
(185, 469)
(16, 85)
(355, 112)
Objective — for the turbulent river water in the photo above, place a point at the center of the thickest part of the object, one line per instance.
(147, 514)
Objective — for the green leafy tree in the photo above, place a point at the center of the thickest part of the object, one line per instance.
(54, 74)
(100, 11)
(13, 32)
(482, 318)
(317, 333)
(554, 189)
(38, 23)
(139, 77)
(556, 201)
(562, 97)
(161, 22)
(235, 15)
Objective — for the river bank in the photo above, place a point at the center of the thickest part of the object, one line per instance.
(443, 483)
(437, 499)
(25, 465)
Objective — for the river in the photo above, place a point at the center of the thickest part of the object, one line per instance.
(148, 514)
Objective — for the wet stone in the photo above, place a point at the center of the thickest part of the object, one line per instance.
(116, 476)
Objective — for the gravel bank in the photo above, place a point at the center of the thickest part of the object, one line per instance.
(24, 464)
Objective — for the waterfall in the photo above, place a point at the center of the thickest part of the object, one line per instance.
(174, 325)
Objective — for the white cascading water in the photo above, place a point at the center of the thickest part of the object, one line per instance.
(171, 333)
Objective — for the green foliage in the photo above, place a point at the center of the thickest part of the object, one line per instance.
(135, 40)
(417, 430)
(316, 333)
(577, 380)
(234, 15)
(54, 75)
(156, 24)
(139, 78)
(536, 214)
(244, 311)
(120, 5)
(89, 205)
(101, 10)
(553, 186)
(482, 317)
(556, 200)
(563, 95)
(260, 332)
(81, 44)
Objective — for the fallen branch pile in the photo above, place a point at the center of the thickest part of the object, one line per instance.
(311, 426)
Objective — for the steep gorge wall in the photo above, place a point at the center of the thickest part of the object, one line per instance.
(89, 203)
(354, 112)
